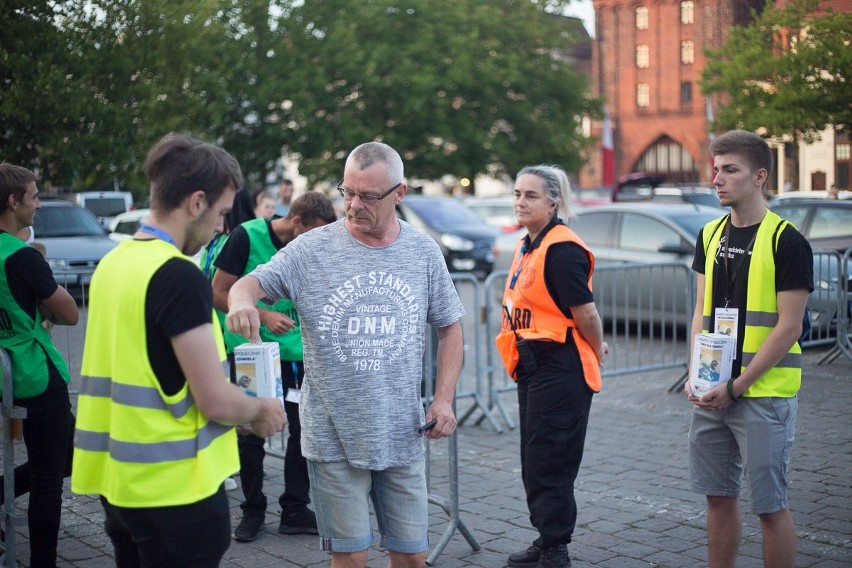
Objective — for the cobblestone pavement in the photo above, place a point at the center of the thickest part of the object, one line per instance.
(635, 508)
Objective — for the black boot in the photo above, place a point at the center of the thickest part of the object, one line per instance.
(526, 558)
(554, 557)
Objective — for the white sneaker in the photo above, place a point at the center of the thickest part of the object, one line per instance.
(230, 484)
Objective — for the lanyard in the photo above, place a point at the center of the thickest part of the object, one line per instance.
(210, 254)
(731, 278)
(520, 266)
(157, 232)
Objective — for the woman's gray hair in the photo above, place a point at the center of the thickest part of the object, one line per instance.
(557, 188)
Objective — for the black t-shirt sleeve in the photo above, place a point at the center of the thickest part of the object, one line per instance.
(30, 278)
(179, 298)
(566, 272)
(794, 262)
(234, 254)
(700, 258)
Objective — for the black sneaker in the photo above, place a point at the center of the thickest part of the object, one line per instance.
(526, 558)
(249, 528)
(554, 557)
(302, 522)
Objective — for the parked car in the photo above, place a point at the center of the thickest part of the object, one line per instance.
(125, 225)
(105, 204)
(636, 233)
(635, 186)
(827, 224)
(466, 241)
(496, 211)
(694, 194)
(798, 195)
(74, 241)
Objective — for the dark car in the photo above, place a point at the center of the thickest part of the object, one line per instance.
(827, 224)
(466, 241)
(73, 239)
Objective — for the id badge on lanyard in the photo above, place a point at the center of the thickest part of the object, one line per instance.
(727, 320)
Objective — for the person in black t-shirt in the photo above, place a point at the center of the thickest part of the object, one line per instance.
(158, 447)
(551, 324)
(29, 295)
(755, 268)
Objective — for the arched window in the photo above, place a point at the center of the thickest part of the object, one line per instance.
(667, 157)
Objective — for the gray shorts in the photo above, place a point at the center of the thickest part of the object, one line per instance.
(754, 435)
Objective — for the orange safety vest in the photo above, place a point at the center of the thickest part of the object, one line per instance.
(535, 316)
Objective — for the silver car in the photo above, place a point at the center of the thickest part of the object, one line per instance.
(636, 233)
(74, 241)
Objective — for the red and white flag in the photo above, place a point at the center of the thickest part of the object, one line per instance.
(607, 151)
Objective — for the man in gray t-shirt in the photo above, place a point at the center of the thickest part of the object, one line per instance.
(365, 288)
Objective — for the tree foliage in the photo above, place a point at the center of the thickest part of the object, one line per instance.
(462, 87)
(787, 73)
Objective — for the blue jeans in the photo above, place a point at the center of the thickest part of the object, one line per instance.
(342, 495)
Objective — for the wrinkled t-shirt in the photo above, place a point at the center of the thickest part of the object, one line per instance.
(364, 312)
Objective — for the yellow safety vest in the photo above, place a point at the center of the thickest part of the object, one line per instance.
(135, 445)
(785, 378)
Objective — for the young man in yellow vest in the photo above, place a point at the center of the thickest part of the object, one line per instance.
(156, 413)
(251, 244)
(753, 268)
(29, 295)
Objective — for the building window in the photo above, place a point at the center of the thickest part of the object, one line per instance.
(642, 57)
(641, 18)
(643, 95)
(686, 92)
(667, 156)
(687, 51)
(687, 12)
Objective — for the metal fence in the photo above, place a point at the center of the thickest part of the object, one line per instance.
(646, 309)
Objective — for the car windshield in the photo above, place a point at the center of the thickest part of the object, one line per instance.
(443, 214)
(694, 222)
(106, 206)
(65, 222)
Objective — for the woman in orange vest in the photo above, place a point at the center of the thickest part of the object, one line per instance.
(551, 343)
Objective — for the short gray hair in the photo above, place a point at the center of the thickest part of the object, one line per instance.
(557, 188)
(369, 153)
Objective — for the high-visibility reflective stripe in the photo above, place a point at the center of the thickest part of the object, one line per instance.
(763, 319)
(790, 360)
(133, 395)
(156, 452)
(706, 322)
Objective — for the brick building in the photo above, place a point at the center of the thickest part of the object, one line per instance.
(647, 60)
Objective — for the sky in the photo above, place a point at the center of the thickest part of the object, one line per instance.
(584, 10)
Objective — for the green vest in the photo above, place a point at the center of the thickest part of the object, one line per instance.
(135, 445)
(261, 250)
(761, 316)
(28, 343)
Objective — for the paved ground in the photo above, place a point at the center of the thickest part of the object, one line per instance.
(635, 507)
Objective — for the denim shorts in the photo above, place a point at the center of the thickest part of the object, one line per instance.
(753, 435)
(341, 495)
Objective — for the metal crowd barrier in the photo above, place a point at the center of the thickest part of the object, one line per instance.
(646, 311)
(10, 518)
(838, 284)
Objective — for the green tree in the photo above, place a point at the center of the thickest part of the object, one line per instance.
(458, 87)
(86, 86)
(787, 73)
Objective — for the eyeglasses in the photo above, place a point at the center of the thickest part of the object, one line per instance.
(366, 198)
